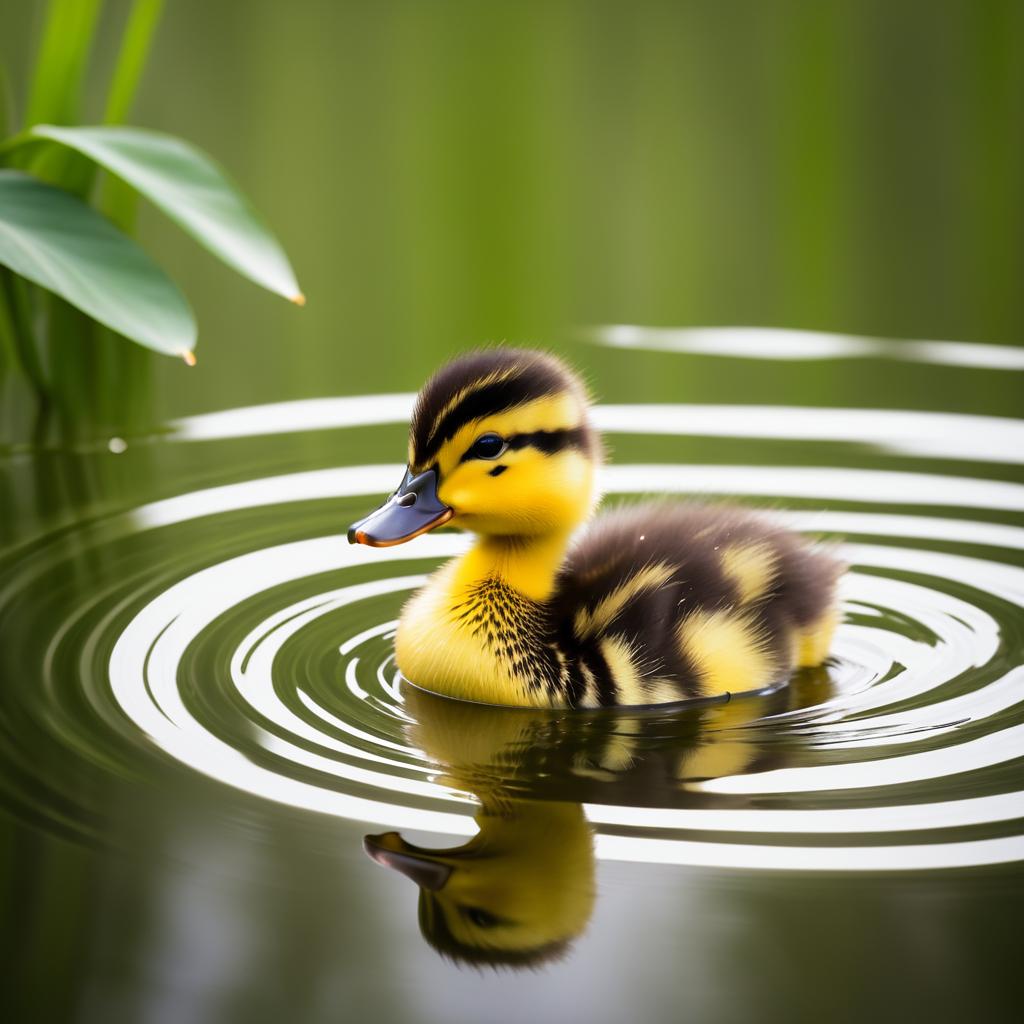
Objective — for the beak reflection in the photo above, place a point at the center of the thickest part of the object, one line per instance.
(392, 851)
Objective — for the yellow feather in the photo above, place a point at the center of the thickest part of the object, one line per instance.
(628, 684)
(470, 670)
(751, 567)
(590, 623)
(812, 645)
(661, 691)
(589, 698)
(727, 651)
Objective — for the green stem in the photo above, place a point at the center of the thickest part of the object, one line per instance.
(135, 44)
(61, 62)
(118, 200)
(7, 327)
(58, 92)
(22, 336)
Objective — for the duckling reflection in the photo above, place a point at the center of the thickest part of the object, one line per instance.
(517, 893)
(520, 891)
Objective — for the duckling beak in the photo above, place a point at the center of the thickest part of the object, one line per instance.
(391, 850)
(413, 509)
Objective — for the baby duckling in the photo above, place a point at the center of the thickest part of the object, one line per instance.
(651, 604)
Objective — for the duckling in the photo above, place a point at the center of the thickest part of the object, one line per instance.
(650, 604)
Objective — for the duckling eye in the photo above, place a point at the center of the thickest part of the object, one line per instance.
(480, 917)
(489, 446)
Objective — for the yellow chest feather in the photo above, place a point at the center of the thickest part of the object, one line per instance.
(440, 645)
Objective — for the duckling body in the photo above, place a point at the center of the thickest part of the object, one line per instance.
(646, 605)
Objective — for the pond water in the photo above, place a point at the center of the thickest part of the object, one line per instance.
(202, 721)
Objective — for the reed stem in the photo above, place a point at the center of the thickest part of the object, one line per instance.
(17, 325)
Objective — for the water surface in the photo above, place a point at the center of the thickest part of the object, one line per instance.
(202, 719)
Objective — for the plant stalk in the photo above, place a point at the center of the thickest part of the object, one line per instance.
(22, 337)
(135, 44)
(118, 200)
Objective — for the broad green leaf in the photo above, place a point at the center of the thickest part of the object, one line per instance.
(192, 190)
(54, 240)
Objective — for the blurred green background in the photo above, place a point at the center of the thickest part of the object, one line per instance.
(448, 173)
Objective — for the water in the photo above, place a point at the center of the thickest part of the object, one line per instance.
(202, 720)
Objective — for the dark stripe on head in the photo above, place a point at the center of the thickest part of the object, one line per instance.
(552, 441)
(485, 401)
(508, 377)
(547, 441)
(435, 929)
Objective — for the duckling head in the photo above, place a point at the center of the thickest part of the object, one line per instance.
(499, 444)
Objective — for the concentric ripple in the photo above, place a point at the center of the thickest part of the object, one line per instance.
(266, 663)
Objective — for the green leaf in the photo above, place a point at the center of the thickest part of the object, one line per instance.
(56, 241)
(192, 190)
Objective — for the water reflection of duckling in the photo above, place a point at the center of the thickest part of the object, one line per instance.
(655, 604)
(517, 893)
(522, 889)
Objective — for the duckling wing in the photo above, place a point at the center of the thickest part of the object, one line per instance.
(671, 601)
